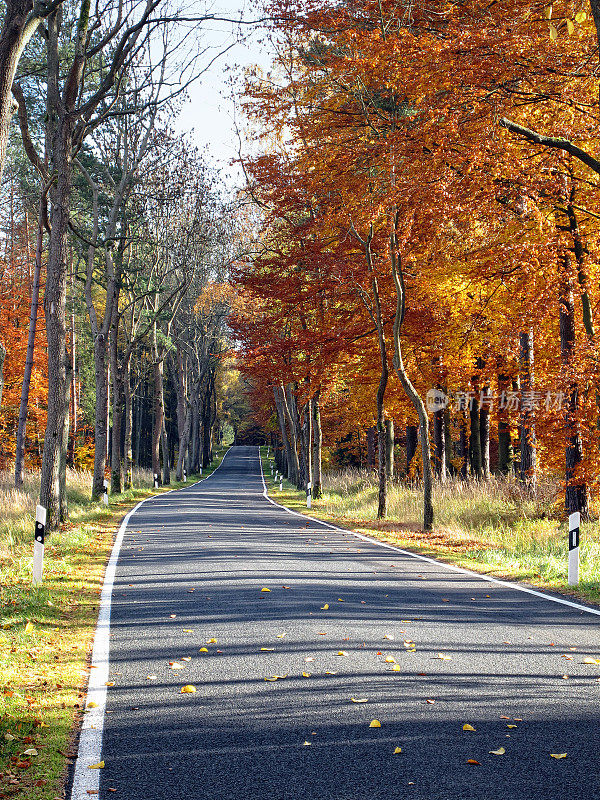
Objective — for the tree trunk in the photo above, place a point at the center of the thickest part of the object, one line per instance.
(19, 25)
(195, 434)
(389, 448)
(100, 417)
(463, 445)
(2, 358)
(474, 439)
(576, 496)
(159, 416)
(116, 464)
(288, 407)
(63, 501)
(528, 439)
(55, 310)
(439, 444)
(406, 382)
(505, 450)
(166, 465)
(128, 454)
(182, 413)
(317, 445)
(35, 299)
(412, 441)
(278, 394)
(484, 431)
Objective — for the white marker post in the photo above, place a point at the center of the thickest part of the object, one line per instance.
(105, 492)
(38, 545)
(155, 481)
(309, 495)
(574, 521)
(200, 471)
(184, 476)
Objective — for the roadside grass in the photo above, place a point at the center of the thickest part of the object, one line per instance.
(46, 633)
(492, 527)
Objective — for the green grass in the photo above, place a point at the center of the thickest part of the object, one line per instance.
(492, 527)
(46, 633)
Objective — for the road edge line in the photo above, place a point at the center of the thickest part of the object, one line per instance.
(427, 559)
(89, 749)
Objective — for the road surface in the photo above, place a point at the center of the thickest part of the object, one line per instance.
(192, 569)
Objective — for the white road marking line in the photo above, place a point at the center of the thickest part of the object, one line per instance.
(87, 781)
(428, 560)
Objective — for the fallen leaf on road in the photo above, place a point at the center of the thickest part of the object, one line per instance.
(203, 650)
(444, 657)
(397, 750)
(211, 641)
(499, 752)
(109, 683)
(589, 660)
(185, 658)
(308, 659)
(390, 660)
(91, 704)
(558, 755)
(431, 702)
(388, 636)
(267, 649)
(473, 761)
(188, 630)
(330, 672)
(396, 668)
(341, 653)
(325, 607)
(99, 765)
(358, 699)
(307, 743)
(374, 723)
(264, 589)
(511, 726)
(281, 635)
(468, 727)
(306, 674)
(188, 689)
(175, 665)
(150, 677)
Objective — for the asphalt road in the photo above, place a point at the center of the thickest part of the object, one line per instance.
(191, 570)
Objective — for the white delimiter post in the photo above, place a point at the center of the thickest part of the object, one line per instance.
(281, 483)
(574, 521)
(38, 545)
(308, 495)
(105, 492)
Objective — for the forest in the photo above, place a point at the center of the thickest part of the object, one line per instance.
(405, 282)
(425, 283)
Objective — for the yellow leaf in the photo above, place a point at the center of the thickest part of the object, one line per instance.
(390, 660)
(341, 653)
(444, 657)
(511, 726)
(388, 636)
(330, 672)
(340, 600)
(150, 677)
(499, 752)
(468, 727)
(374, 723)
(109, 683)
(203, 650)
(99, 765)
(325, 607)
(558, 755)
(29, 627)
(570, 27)
(271, 679)
(188, 689)
(185, 658)
(548, 12)
(358, 699)
(264, 589)
(396, 668)
(175, 665)
(589, 660)
(580, 16)
(306, 674)
(397, 750)
(188, 630)
(91, 704)
(307, 743)
(281, 635)
(553, 32)
(267, 649)
(211, 641)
